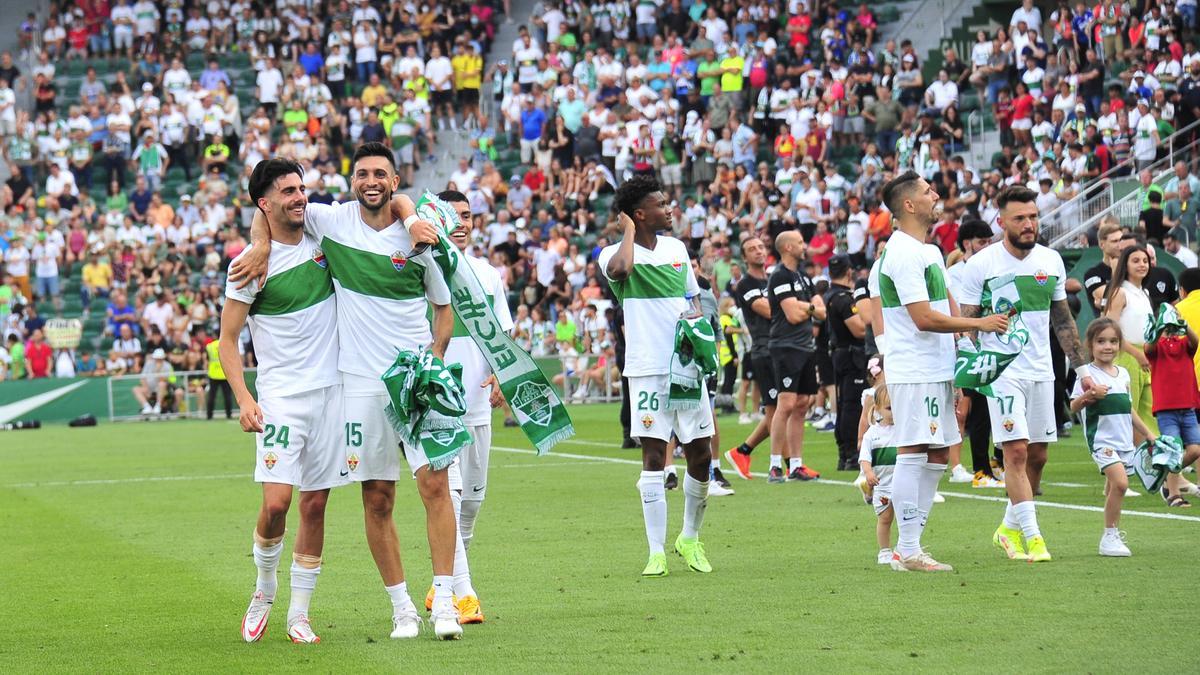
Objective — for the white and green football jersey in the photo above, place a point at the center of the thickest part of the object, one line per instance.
(653, 297)
(911, 271)
(293, 321)
(462, 348)
(1108, 423)
(381, 293)
(995, 280)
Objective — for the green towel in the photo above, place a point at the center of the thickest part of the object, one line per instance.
(1167, 320)
(1153, 461)
(426, 405)
(694, 358)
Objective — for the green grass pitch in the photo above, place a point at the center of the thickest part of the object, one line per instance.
(127, 548)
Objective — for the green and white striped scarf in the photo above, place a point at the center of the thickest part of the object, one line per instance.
(535, 404)
(426, 405)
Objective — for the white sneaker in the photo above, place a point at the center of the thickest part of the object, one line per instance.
(884, 557)
(406, 624)
(254, 623)
(758, 416)
(744, 418)
(960, 475)
(1113, 544)
(445, 624)
(938, 498)
(1132, 493)
(715, 489)
(156, 409)
(579, 393)
(1187, 487)
(147, 409)
(920, 562)
(825, 423)
(300, 631)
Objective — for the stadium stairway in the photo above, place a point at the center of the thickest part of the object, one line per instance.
(433, 175)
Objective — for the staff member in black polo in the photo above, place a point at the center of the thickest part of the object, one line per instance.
(751, 296)
(795, 304)
(847, 331)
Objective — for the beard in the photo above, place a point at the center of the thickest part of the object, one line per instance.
(1021, 245)
(384, 200)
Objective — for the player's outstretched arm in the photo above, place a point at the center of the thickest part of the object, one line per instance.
(1063, 325)
(252, 265)
(925, 318)
(970, 312)
(233, 318)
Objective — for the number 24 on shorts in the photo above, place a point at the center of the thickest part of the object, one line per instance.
(273, 435)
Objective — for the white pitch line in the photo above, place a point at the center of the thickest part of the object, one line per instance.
(119, 481)
(830, 481)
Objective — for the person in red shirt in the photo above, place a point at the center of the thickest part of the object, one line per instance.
(38, 355)
(945, 233)
(77, 39)
(1174, 389)
(822, 246)
(797, 28)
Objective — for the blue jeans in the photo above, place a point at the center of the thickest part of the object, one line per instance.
(1181, 424)
(1188, 12)
(365, 70)
(100, 43)
(993, 90)
(886, 140)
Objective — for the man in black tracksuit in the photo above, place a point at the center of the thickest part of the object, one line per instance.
(847, 331)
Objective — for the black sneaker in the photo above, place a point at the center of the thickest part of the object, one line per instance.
(799, 473)
(776, 475)
(720, 478)
(672, 481)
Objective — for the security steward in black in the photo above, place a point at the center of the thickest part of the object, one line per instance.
(847, 347)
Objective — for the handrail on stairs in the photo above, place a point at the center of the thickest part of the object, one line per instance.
(1095, 200)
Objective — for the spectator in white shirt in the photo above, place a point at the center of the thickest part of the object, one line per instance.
(60, 182)
(942, 94)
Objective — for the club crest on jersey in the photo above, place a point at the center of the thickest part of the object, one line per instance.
(677, 266)
(352, 462)
(933, 427)
(399, 261)
(1008, 424)
(319, 258)
(1108, 452)
(1041, 277)
(269, 460)
(647, 420)
(884, 501)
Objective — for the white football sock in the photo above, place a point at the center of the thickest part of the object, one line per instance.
(399, 596)
(304, 582)
(776, 461)
(1010, 518)
(695, 501)
(670, 468)
(716, 462)
(462, 570)
(443, 592)
(466, 520)
(1026, 514)
(906, 488)
(654, 509)
(930, 477)
(795, 463)
(267, 561)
